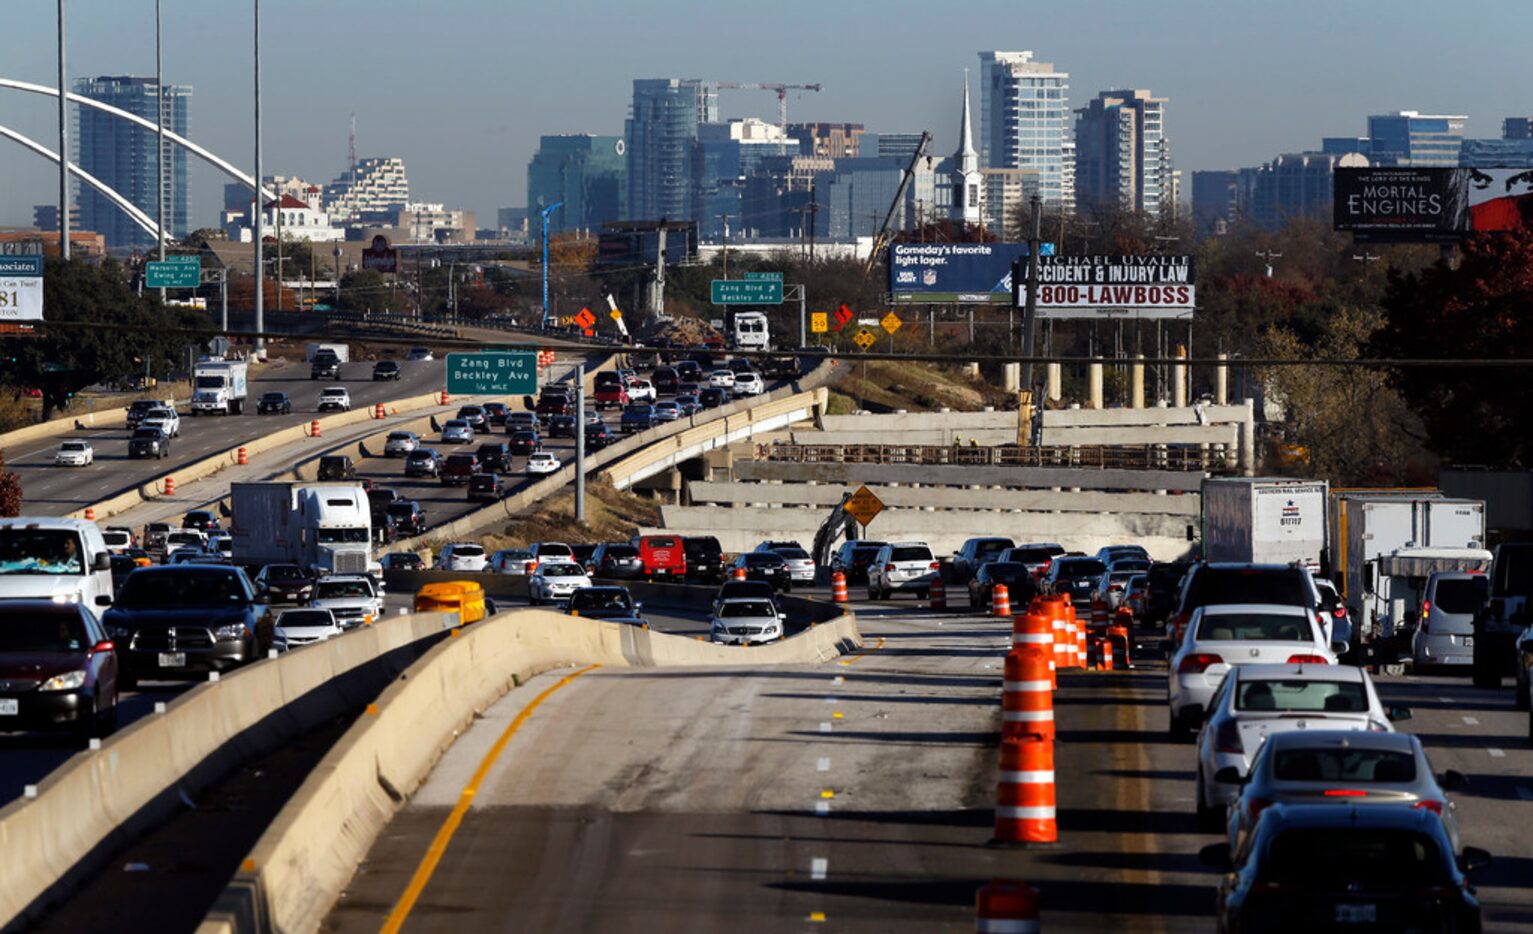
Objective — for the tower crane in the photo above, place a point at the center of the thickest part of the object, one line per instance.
(782, 95)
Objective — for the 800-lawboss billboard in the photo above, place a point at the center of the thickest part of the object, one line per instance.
(1431, 204)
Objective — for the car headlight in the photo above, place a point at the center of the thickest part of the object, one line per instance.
(67, 681)
(231, 631)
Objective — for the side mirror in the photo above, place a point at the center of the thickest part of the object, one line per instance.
(1474, 858)
(103, 600)
(1340, 648)
(1452, 780)
(102, 562)
(1397, 714)
(1230, 775)
(1217, 856)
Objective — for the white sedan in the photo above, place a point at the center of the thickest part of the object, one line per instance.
(543, 462)
(722, 379)
(745, 621)
(75, 454)
(304, 626)
(1227, 636)
(555, 581)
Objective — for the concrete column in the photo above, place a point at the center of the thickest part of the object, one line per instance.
(1179, 379)
(1095, 379)
(1013, 377)
(1054, 381)
(971, 370)
(1136, 382)
(1248, 439)
(1222, 381)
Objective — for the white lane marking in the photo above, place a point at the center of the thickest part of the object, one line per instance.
(823, 765)
(1525, 793)
(838, 680)
(1443, 700)
(818, 867)
(1471, 721)
(1496, 753)
(822, 808)
(830, 700)
(824, 726)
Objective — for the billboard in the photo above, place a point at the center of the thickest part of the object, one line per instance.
(380, 256)
(955, 273)
(1101, 286)
(21, 289)
(1431, 204)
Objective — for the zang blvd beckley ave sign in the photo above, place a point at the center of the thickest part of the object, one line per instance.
(493, 373)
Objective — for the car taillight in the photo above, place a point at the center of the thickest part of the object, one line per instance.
(1197, 663)
(1345, 793)
(1340, 612)
(1115, 588)
(1227, 739)
(1436, 807)
(1306, 660)
(1426, 607)
(888, 568)
(1182, 619)
(934, 566)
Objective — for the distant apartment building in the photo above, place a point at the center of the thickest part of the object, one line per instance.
(1409, 138)
(434, 223)
(588, 174)
(1007, 193)
(890, 146)
(831, 140)
(1024, 121)
(45, 217)
(1497, 153)
(1122, 154)
(511, 223)
(125, 157)
(661, 128)
(1294, 185)
(1517, 128)
(1215, 195)
(376, 186)
(723, 157)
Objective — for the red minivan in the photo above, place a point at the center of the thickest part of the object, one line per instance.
(663, 555)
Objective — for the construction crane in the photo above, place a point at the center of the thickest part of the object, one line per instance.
(782, 95)
(881, 239)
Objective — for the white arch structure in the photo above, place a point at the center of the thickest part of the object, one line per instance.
(139, 217)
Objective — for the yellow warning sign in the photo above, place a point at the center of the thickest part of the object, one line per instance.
(819, 322)
(891, 322)
(864, 339)
(863, 505)
(615, 314)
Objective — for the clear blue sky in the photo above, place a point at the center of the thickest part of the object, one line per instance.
(463, 88)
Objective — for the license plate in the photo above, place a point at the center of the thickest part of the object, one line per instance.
(1357, 914)
(172, 659)
(1469, 640)
(9, 707)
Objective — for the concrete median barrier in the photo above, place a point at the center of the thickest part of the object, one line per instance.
(300, 865)
(94, 803)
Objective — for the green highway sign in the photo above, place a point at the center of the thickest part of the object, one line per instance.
(747, 291)
(493, 373)
(174, 272)
(768, 276)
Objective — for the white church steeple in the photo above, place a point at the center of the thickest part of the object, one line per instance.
(968, 183)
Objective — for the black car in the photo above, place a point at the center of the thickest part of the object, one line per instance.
(406, 516)
(551, 405)
(200, 519)
(854, 559)
(582, 554)
(58, 669)
(561, 426)
(1163, 583)
(402, 561)
(619, 560)
(524, 443)
(712, 397)
(1074, 577)
(1220, 583)
(274, 403)
(496, 412)
(1327, 867)
(423, 462)
(148, 442)
(285, 583)
(705, 559)
(485, 488)
(689, 371)
(475, 415)
(494, 457)
(598, 436)
(385, 369)
(603, 603)
(186, 620)
(666, 380)
(1020, 587)
(687, 403)
(138, 410)
(337, 467)
(765, 566)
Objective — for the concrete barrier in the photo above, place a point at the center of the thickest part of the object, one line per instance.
(97, 800)
(300, 865)
(959, 475)
(705, 492)
(103, 418)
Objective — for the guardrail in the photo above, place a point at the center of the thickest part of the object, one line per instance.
(1199, 458)
(300, 865)
(133, 781)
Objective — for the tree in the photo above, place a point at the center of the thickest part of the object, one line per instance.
(368, 290)
(1475, 415)
(10, 491)
(96, 330)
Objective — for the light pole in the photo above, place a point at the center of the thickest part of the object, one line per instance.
(1267, 256)
(1030, 309)
(159, 132)
(544, 213)
(63, 146)
(260, 268)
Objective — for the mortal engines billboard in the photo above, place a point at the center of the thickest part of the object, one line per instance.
(1431, 205)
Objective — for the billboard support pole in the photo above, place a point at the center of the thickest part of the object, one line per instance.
(1030, 311)
(580, 443)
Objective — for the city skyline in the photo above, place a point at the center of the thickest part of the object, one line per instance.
(474, 154)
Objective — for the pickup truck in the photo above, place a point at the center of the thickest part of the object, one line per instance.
(637, 416)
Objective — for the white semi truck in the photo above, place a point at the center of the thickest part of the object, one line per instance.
(220, 386)
(749, 330)
(321, 526)
(1264, 520)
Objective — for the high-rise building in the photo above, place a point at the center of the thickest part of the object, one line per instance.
(1497, 153)
(968, 186)
(1122, 155)
(375, 186)
(588, 173)
(1215, 197)
(832, 140)
(45, 217)
(723, 156)
(1024, 111)
(660, 131)
(1517, 128)
(1006, 196)
(890, 145)
(1408, 138)
(124, 156)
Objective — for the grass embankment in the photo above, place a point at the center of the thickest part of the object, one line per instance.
(884, 385)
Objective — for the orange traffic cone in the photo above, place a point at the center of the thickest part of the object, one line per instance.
(1006, 906)
(1000, 601)
(838, 587)
(1027, 699)
(1024, 809)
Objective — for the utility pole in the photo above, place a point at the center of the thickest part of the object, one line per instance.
(725, 218)
(159, 131)
(814, 209)
(1030, 310)
(63, 146)
(1267, 256)
(580, 443)
(260, 270)
(545, 212)
(659, 303)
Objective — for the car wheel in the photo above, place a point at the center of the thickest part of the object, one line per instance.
(1485, 674)
(1178, 731)
(1521, 697)
(1208, 818)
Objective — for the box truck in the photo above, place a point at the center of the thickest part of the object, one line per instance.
(342, 352)
(219, 386)
(320, 526)
(1264, 520)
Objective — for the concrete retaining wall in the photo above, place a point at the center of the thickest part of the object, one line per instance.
(97, 800)
(941, 437)
(704, 493)
(300, 865)
(1023, 478)
(1186, 415)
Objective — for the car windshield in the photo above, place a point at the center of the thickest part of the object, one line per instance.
(1211, 585)
(146, 434)
(332, 590)
(422, 455)
(910, 553)
(40, 551)
(285, 572)
(513, 554)
(456, 423)
(864, 555)
(184, 587)
(1257, 627)
(561, 570)
(766, 560)
(993, 546)
(1301, 696)
(1459, 595)
(460, 460)
(482, 482)
(1332, 764)
(1354, 859)
(793, 552)
(739, 609)
(72, 446)
(660, 542)
(47, 631)
(306, 618)
(598, 599)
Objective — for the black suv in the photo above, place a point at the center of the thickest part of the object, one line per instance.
(406, 516)
(665, 380)
(148, 442)
(1074, 576)
(485, 488)
(186, 620)
(598, 436)
(138, 410)
(337, 467)
(524, 443)
(495, 457)
(386, 369)
(705, 559)
(274, 403)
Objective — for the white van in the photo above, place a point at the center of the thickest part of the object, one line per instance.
(1445, 631)
(43, 557)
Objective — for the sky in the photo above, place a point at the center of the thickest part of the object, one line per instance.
(462, 89)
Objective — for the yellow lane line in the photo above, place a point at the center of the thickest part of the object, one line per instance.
(861, 655)
(428, 863)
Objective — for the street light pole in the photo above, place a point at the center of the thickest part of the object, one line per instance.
(63, 146)
(159, 132)
(1030, 309)
(545, 212)
(580, 443)
(260, 269)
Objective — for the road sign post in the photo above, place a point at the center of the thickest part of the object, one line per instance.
(747, 292)
(493, 373)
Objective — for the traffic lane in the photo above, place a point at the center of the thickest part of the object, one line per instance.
(857, 792)
(50, 490)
